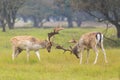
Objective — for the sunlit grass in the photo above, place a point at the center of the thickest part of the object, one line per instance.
(56, 65)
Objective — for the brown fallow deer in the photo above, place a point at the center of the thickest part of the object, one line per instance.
(28, 43)
(87, 41)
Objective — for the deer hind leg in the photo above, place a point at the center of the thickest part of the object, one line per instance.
(96, 51)
(104, 53)
(37, 54)
(87, 55)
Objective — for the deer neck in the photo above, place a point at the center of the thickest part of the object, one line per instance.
(43, 43)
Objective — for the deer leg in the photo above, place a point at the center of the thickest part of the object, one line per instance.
(14, 52)
(104, 53)
(18, 51)
(28, 54)
(37, 54)
(96, 51)
(80, 56)
(87, 55)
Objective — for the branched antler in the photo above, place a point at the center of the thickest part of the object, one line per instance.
(61, 47)
(73, 41)
(56, 31)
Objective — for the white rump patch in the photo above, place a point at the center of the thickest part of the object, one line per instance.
(98, 38)
(101, 37)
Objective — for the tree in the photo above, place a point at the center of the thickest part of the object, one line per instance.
(104, 10)
(8, 12)
(2, 15)
(36, 11)
(12, 7)
(63, 8)
(78, 19)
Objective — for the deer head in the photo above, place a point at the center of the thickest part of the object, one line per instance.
(71, 50)
(75, 50)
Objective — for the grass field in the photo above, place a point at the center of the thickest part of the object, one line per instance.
(56, 65)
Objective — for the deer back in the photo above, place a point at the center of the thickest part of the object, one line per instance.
(27, 42)
(88, 40)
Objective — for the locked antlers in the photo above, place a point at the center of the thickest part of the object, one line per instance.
(56, 31)
(64, 49)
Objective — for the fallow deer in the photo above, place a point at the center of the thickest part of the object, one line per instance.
(28, 43)
(87, 41)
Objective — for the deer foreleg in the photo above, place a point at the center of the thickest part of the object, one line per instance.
(14, 52)
(38, 55)
(80, 56)
(28, 54)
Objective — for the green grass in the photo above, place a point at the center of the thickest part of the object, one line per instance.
(56, 65)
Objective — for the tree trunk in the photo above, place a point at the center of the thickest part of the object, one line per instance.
(3, 26)
(35, 22)
(24, 18)
(117, 25)
(10, 22)
(11, 25)
(78, 23)
(118, 31)
(70, 24)
(41, 24)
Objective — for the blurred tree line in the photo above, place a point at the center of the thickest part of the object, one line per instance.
(40, 11)
(36, 11)
(103, 10)
(8, 12)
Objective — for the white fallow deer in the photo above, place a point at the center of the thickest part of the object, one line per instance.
(88, 41)
(28, 43)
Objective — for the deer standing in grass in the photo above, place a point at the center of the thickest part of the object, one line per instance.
(28, 43)
(87, 41)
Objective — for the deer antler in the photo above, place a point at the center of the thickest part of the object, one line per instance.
(61, 47)
(73, 41)
(56, 31)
